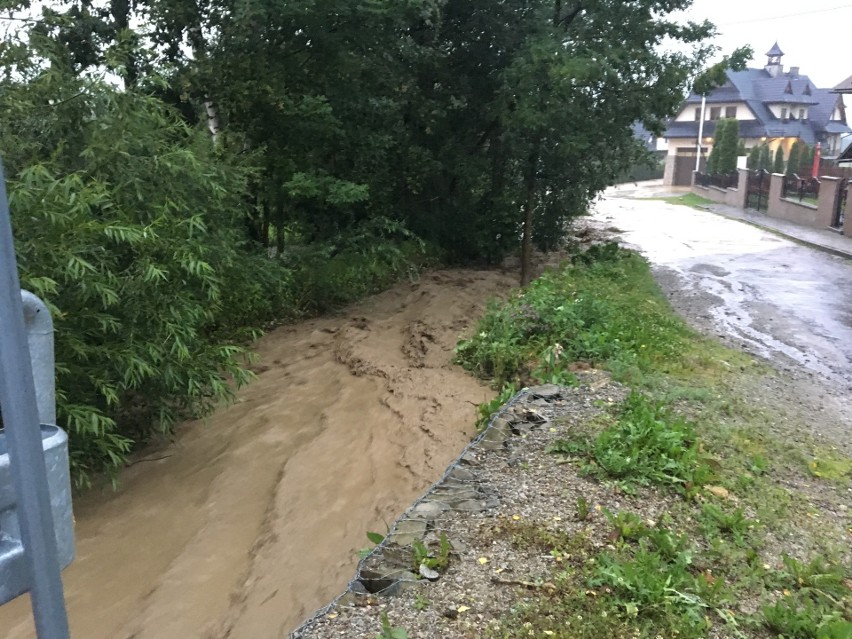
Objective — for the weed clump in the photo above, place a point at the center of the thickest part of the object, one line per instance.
(646, 445)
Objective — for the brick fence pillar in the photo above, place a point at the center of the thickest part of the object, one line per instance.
(827, 198)
(742, 189)
(776, 187)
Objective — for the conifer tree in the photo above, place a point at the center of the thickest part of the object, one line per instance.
(793, 160)
(778, 165)
(765, 162)
(754, 158)
(728, 146)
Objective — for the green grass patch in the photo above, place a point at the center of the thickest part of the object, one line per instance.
(647, 444)
(829, 465)
(689, 199)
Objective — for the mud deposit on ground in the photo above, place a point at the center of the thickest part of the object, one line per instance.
(253, 518)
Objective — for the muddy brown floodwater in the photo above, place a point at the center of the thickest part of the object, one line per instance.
(252, 519)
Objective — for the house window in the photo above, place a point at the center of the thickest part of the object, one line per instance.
(802, 114)
(715, 113)
(698, 114)
(731, 112)
(783, 113)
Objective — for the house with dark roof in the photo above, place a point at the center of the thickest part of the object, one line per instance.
(773, 106)
(845, 157)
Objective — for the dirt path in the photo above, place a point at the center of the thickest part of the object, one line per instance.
(252, 519)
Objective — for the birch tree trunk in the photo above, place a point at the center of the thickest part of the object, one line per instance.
(199, 52)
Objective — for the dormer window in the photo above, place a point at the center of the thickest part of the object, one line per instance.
(807, 90)
(789, 88)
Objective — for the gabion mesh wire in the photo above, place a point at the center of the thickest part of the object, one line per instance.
(445, 483)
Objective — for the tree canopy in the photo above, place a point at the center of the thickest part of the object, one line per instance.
(183, 169)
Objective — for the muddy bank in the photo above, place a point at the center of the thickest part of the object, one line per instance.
(253, 518)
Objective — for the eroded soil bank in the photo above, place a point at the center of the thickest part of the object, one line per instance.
(252, 519)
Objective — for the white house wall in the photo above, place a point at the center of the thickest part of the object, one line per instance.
(743, 111)
(792, 110)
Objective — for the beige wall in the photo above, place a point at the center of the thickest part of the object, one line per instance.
(817, 216)
(730, 197)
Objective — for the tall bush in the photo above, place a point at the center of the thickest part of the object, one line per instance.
(778, 164)
(714, 161)
(128, 224)
(728, 146)
(765, 162)
(794, 159)
(754, 158)
(806, 160)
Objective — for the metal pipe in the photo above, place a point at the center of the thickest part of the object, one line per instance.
(39, 326)
(26, 459)
(700, 133)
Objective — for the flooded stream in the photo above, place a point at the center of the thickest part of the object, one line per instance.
(252, 518)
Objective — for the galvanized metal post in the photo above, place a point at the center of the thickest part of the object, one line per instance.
(20, 419)
(39, 327)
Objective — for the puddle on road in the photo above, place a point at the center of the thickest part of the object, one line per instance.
(252, 519)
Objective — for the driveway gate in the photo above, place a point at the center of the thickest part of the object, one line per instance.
(758, 190)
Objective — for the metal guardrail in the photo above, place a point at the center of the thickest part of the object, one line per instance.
(29, 554)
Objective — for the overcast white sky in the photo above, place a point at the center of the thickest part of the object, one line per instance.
(814, 35)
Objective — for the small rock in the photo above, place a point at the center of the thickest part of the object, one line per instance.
(460, 474)
(496, 435)
(428, 573)
(428, 510)
(469, 459)
(408, 530)
(546, 391)
(470, 506)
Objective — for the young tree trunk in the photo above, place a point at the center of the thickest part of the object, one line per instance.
(529, 208)
(213, 123)
(120, 11)
(199, 52)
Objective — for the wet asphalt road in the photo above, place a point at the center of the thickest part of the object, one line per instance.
(782, 301)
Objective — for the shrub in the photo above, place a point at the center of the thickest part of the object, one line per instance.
(604, 308)
(778, 165)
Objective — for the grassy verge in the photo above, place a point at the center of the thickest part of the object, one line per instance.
(689, 199)
(754, 541)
